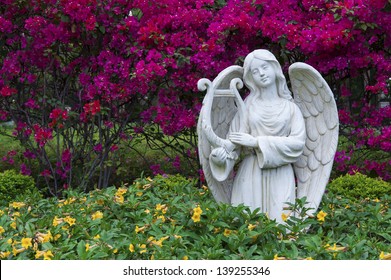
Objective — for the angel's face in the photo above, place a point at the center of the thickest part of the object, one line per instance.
(262, 72)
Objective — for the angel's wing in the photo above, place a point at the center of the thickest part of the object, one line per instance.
(316, 102)
(221, 103)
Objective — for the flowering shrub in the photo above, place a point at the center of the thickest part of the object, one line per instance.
(149, 220)
(79, 76)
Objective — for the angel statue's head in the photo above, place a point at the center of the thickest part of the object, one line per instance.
(265, 55)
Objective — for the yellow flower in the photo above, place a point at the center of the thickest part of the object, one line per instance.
(26, 243)
(1, 230)
(276, 257)
(251, 227)
(16, 214)
(96, 237)
(119, 199)
(185, 258)
(13, 225)
(196, 218)
(115, 251)
(284, 216)
(159, 207)
(385, 256)
(97, 215)
(309, 259)
(17, 251)
(71, 221)
(131, 248)
(321, 215)
(57, 236)
(39, 254)
(335, 248)
(9, 241)
(87, 247)
(143, 247)
(47, 237)
(139, 193)
(4, 255)
(121, 191)
(69, 200)
(197, 210)
(227, 232)
(161, 217)
(57, 221)
(147, 211)
(159, 242)
(138, 229)
(48, 255)
(1, 213)
(43, 238)
(18, 205)
(177, 236)
(100, 202)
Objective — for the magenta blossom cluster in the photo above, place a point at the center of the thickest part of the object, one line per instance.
(92, 72)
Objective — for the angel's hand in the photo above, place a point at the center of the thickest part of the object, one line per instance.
(243, 139)
(219, 156)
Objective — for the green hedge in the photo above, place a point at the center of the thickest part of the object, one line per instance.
(13, 184)
(360, 186)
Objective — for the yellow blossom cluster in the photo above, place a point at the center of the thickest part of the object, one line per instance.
(142, 248)
(384, 256)
(71, 221)
(97, 215)
(153, 241)
(68, 219)
(160, 211)
(47, 255)
(18, 205)
(140, 229)
(43, 237)
(197, 214)
(69, 200)
(251, 227)
(4, 255)
(119, 195)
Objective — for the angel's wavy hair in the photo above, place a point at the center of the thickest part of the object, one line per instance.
(282, 88)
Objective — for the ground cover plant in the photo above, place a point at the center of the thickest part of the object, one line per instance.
(79, 77)
(171, 218)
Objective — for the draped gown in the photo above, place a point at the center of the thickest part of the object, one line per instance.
(265, 178)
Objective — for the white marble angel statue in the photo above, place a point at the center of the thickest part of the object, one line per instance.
(270, 148)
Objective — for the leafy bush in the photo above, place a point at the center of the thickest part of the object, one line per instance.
(13, 184)
(170, 218)
(360, 186)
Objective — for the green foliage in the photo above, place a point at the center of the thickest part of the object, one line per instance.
(13, 184)
(171, 218)
(360, 186)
